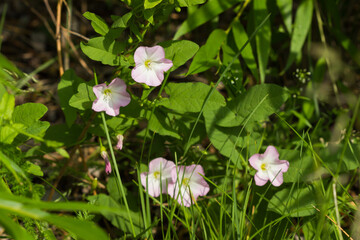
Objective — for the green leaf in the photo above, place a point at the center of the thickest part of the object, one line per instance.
(7, 104)
(8, 65)
(29, 113)
(113, 190)
(203, 14)
(151, 3)
(300, 165)
(25, 207)
(2, 91)
(203, 59)
(121, 219)
(256, 104)
(84, 97)
(81, 228)
(15, 230)
(9, 132)
(38, 128)
(62, 135)
(189, 3)
(103, 49)
(33, 169)
(189, 97)
(161, 123)
(297, 202)
(263, 36)
(63, 152)
(12, 167)
(230, 141)
(285, 7)
(122, 22)
(351, 159)
(97, 23)
(67, 87)
(179, 51)
(302, 25)
(240, 38)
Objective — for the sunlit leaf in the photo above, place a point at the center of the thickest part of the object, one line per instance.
(97, 23)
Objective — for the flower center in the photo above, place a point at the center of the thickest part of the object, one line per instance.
(107, 92)
(107, 95)
(156, 174)
(185, 182)
(263, 167)
(148, 63)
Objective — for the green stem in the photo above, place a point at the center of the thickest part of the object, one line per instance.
(146, 215)
(114, 163)
(119, 182)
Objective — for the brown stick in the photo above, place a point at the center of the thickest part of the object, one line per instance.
(50, 11)
(335, 224)
(58, 37)
(76, 53)
(42, 18)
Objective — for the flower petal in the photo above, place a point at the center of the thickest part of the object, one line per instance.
(199, 189)
(99, 105)
(140, 55)
(276, 178)
(143, 75)
(280, 165)
(177, 171)
(259, 181)
(120, 100)
(155, 53)
(99, 89)
(163, 165)
(111, 109)
(171, 189)
(256, 161)
(153, 185)
(196, 186)
(107, 167)
(117, 85)
(119, 144)
(182, 196)
(163, 65)
(271, 154)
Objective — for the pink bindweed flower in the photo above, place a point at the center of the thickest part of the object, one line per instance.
(159, 176)
(269, 167)
(110, 98)
(150, 65)
(189, 184)
(119, 144)
(105, 156)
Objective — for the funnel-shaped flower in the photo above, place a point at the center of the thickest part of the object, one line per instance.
(189, 184)
(105, 156)
(158, 177)
(110, 98)
(150, 65)
(269, 167)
